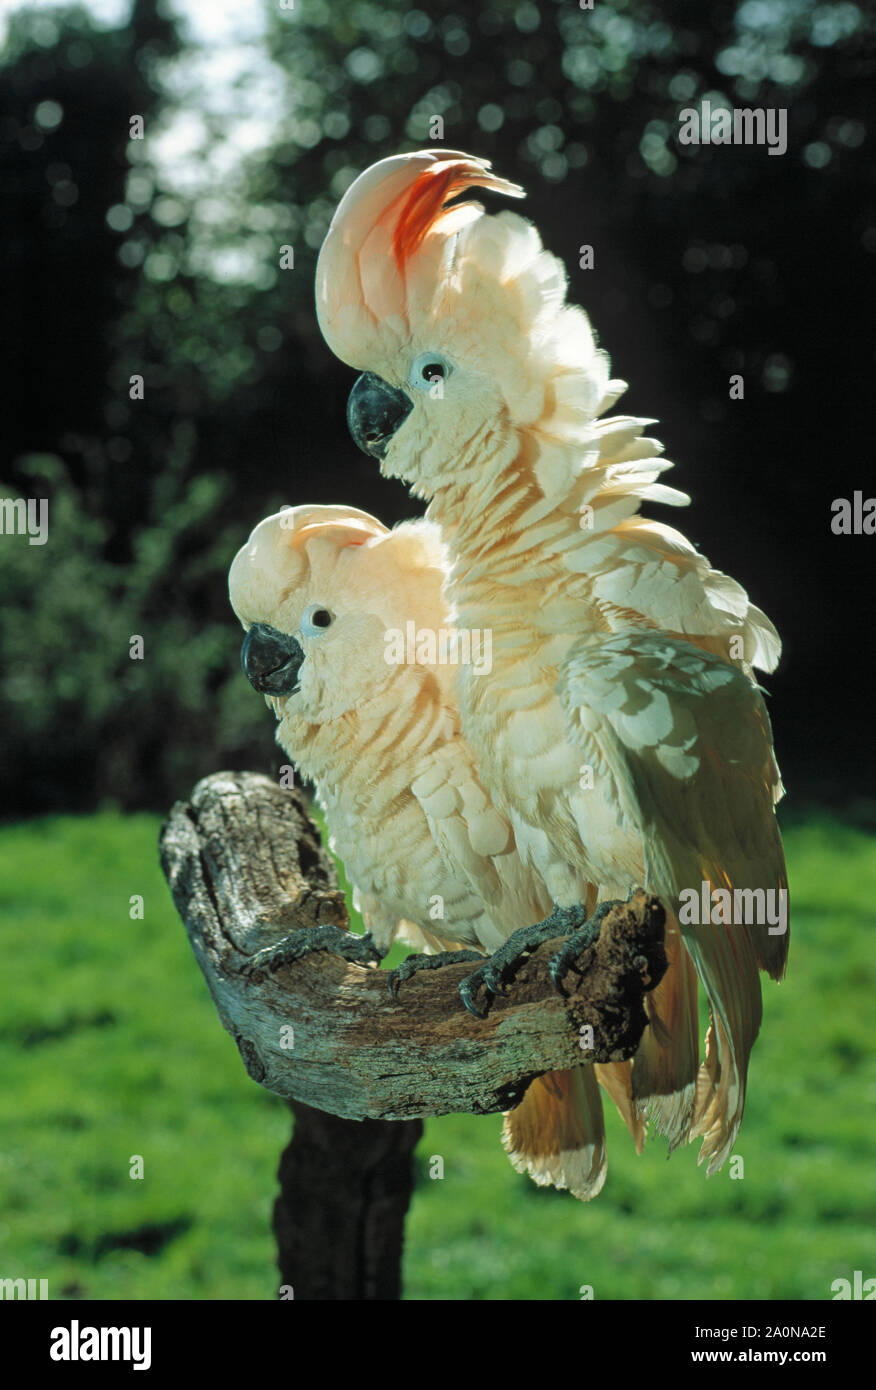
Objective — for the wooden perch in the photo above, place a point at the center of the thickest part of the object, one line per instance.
(246, 867)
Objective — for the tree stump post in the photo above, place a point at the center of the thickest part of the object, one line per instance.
(345, 1187)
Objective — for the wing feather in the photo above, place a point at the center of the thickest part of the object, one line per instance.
(683, 738)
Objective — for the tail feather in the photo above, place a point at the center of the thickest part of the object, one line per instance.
(664, 1070)
(720, 1097)
(556, 1134)
(726, 962)
(616, 1079)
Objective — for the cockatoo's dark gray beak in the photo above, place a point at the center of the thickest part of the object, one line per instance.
(271, 660)
(375, 411)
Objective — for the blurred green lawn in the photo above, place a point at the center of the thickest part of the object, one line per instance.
(110, 1047)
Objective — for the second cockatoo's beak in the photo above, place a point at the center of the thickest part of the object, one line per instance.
(271, 660)
(375, 410)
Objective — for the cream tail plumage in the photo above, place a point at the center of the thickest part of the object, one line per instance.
(616, 646)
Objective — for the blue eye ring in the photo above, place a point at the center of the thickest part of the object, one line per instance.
(315, 620)
(428, 368)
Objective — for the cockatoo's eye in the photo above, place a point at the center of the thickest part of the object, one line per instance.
(315, 620)
(428, 368)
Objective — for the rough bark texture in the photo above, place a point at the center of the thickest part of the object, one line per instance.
(345, 1188)
(245, 847)
(245, 867)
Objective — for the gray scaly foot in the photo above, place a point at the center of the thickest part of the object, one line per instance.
(498, 972)
(579, 941)
(414, 964)
(361, 950)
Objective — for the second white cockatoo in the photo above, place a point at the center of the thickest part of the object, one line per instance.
(620, 730)
(324, 592)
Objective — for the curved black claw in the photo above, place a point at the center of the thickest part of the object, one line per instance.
(359, 949)
(497, 973)
(413, 964)
(579, 941)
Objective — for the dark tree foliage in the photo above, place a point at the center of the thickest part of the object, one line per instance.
(709, 261)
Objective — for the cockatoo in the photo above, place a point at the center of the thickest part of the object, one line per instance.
(319, 589)
(620, 730)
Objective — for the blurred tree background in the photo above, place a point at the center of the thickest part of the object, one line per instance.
(160, 257)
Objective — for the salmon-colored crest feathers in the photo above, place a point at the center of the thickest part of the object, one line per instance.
(428, 196)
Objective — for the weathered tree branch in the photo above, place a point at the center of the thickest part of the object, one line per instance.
(245, 867)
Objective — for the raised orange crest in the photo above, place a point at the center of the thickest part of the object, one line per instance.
(431, 190)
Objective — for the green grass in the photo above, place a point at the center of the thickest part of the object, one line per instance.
(110, 1047)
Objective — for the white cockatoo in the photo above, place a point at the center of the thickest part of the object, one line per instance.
(620, 729)
(325, 594)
